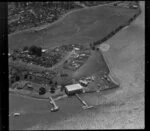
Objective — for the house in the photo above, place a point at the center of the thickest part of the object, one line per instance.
(91, 78)
(83, 83)
(134, 6)
(76, 48)
(73, 89)
(82, 54)
(26, 51)
(44, 50)
(9, 54)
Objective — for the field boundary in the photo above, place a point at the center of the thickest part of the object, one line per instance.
(112, 33)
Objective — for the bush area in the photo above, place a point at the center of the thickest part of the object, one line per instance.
(34, 55)
(24, 15)
(49, 58)
(127, 4)
(94, 3)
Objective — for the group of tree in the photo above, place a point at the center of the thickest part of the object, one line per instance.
(25, 48)
(92, 46)
(53, 86)
(42, 91)
(33, 50)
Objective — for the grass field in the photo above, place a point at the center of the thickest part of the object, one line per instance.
(95, 63)
(80, 26)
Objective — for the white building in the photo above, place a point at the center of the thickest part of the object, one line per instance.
(73, 89)
(82, 54)
(26, 51)
(44, 50)
(76, 48)
(83, 83)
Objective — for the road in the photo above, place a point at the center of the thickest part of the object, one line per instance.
(115, 109)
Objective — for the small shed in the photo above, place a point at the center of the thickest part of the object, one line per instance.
(44, 50)
(76, 48)
(83, 83)
(73, 89)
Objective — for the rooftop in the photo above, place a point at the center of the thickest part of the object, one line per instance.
(74, 87)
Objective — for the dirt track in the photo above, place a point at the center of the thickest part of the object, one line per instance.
(122, 108)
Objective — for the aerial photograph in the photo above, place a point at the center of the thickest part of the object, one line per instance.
(76, 65)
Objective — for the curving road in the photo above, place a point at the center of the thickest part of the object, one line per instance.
(122, 108)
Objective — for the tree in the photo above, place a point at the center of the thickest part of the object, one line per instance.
(14, 58)
(97, 49)
(52, 90)
(42, 91)
(56, 83)
(66, 61)
(30, 77)
(12, 81)
(25, 48)
(62, 87)
(93, 47)
(50, 82)
(17, 78)
(34, 50)
(25, 76)
(16, 51)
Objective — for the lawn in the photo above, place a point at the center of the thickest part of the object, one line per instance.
(95, 63)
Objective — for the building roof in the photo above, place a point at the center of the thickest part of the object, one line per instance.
(44, 50)
(74, 87)
(77, 48)
(83, 81)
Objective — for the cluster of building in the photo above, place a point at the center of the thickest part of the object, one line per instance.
(102, 82)
(16, 74)
(77, 59)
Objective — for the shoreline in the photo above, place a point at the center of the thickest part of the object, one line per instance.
(58, 96)
(43, 98)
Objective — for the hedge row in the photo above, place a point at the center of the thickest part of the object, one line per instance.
(117, 29)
